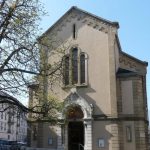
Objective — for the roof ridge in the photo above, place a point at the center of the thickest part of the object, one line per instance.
(114, 24)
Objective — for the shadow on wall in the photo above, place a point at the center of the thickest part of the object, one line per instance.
(101, 129)
(46, 137)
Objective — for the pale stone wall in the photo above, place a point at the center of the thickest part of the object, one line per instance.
(129, 145)
(141, 135)
(138, 113)
(101, 89)
(138, 95)
(127, 97)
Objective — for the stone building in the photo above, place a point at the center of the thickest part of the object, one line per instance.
(103, 89)
(13, 125)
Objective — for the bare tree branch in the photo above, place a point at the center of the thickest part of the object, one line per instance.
(23, 60)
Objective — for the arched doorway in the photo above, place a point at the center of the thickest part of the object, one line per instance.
(75, 136)
(75, 128)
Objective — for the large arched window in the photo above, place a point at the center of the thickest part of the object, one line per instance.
(75, 68)
(82, 68)
(74, 65)
(66, 70)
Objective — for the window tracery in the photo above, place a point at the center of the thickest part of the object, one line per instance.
(75, 68)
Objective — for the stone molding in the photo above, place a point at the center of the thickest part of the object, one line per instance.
(84, 19)
(126, 62)
(74, 99)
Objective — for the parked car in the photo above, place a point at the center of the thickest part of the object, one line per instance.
(4, 145)
(17, 145)
(22, 145)
(12, 145)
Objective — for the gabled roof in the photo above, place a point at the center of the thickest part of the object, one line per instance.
(113, 24)
(74, 8)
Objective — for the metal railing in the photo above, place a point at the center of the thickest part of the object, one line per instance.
(81, 146)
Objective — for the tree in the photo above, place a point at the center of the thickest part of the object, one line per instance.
(19, 49)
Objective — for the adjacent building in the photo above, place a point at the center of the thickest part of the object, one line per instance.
(13, 122)
(102, 87)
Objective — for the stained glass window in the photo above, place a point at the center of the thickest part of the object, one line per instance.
(75, 66)
(82, 68)
(75, 113)
(66, 70)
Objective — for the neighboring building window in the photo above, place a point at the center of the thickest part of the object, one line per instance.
(75, 68)
(18, 122)
(12, 129)
(128, 134)
(1, 126)
(5, 116)
(9, 128)
(5, 126)
(1, 115)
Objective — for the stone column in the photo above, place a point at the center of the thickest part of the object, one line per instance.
(115, 141)
(66, 137)
(88, 135)
(59, 139)
(40, 135)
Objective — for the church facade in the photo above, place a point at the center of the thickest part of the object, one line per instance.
(103, 89)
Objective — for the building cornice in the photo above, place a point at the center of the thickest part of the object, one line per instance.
(120, 118)
(136, 59)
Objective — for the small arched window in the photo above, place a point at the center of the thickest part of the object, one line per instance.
(74, 65)
(82, 68)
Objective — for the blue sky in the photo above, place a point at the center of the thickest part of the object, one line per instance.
(132, 15)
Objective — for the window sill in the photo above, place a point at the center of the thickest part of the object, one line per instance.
(75, 86)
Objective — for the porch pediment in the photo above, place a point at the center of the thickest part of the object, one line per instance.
(74, 99)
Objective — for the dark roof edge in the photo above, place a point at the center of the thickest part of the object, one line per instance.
(128, 55)
(136, 59)
(9, 97)
(114, 24)
(57, 22)
(118, 42)
(131, 74)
